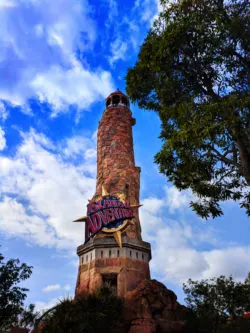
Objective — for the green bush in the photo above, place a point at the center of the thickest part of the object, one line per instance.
(94, 313)
(217, 305)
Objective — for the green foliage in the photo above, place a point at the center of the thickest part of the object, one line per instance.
(93, 313)
(193, 70)
(247, 281)
(218, 305)
(12, 296)
(27, 317)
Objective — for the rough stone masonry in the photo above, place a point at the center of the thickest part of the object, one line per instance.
(148, 305)
(100, 258)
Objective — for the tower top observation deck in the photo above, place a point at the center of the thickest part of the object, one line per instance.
(117, 99)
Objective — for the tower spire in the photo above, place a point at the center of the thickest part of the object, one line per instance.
(113, 210)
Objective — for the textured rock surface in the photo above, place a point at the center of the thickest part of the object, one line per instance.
(116, 169)
(119, 176)
(151, 307)
(129, 273)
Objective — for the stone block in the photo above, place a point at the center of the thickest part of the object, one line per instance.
(150, 302)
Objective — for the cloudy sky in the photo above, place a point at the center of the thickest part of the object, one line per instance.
(58, 61)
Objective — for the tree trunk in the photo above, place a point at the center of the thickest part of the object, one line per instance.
(243, 143)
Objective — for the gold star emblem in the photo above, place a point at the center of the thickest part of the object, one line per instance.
(115, 232)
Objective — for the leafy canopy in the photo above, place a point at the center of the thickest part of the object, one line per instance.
(12, 296)
(218, 304)
(193, 70)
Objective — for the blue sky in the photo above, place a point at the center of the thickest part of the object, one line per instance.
(58, 61)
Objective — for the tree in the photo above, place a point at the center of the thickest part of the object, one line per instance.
(248, 278)
(92, 313)
(12, 296)
(194, 71)
(218, 305)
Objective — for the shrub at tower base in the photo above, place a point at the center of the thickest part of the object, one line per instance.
(93, 313)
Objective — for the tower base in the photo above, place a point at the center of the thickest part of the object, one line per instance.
(102, 260)
(151, 307)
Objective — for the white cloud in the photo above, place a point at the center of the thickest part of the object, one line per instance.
(42, 192)
(49, 70)
(90, 153)
(42, 306)
(51, 287)
(177, 200)
(152, 204)
(78, 145)
(2, 139)
(3, 112)
(75, 86)
(148, 9)
(118, 50)
(232, 260)
(174, 200)
(113, 12)
(146, 12)
(55, 287)
(183, 249)
(67, 287)
(16, 221)
(129, 30)
(7, 3)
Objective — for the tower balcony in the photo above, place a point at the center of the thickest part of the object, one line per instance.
(117, 99)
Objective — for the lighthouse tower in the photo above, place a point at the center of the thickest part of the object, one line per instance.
(114, 251)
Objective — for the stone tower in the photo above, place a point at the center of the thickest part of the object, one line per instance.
(113, 250)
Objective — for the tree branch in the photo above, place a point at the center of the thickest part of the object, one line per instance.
(223, 176)
(224, 158)
(243, 59)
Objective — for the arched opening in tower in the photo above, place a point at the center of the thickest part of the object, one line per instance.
(111, 281)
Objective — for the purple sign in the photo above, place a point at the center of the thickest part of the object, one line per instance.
(109, 212)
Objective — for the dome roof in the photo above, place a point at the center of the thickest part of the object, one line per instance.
(117, 98)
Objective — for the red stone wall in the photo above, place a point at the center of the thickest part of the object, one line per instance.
(129, 273)
(119, 176)
(116, 169)
(151, 308)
